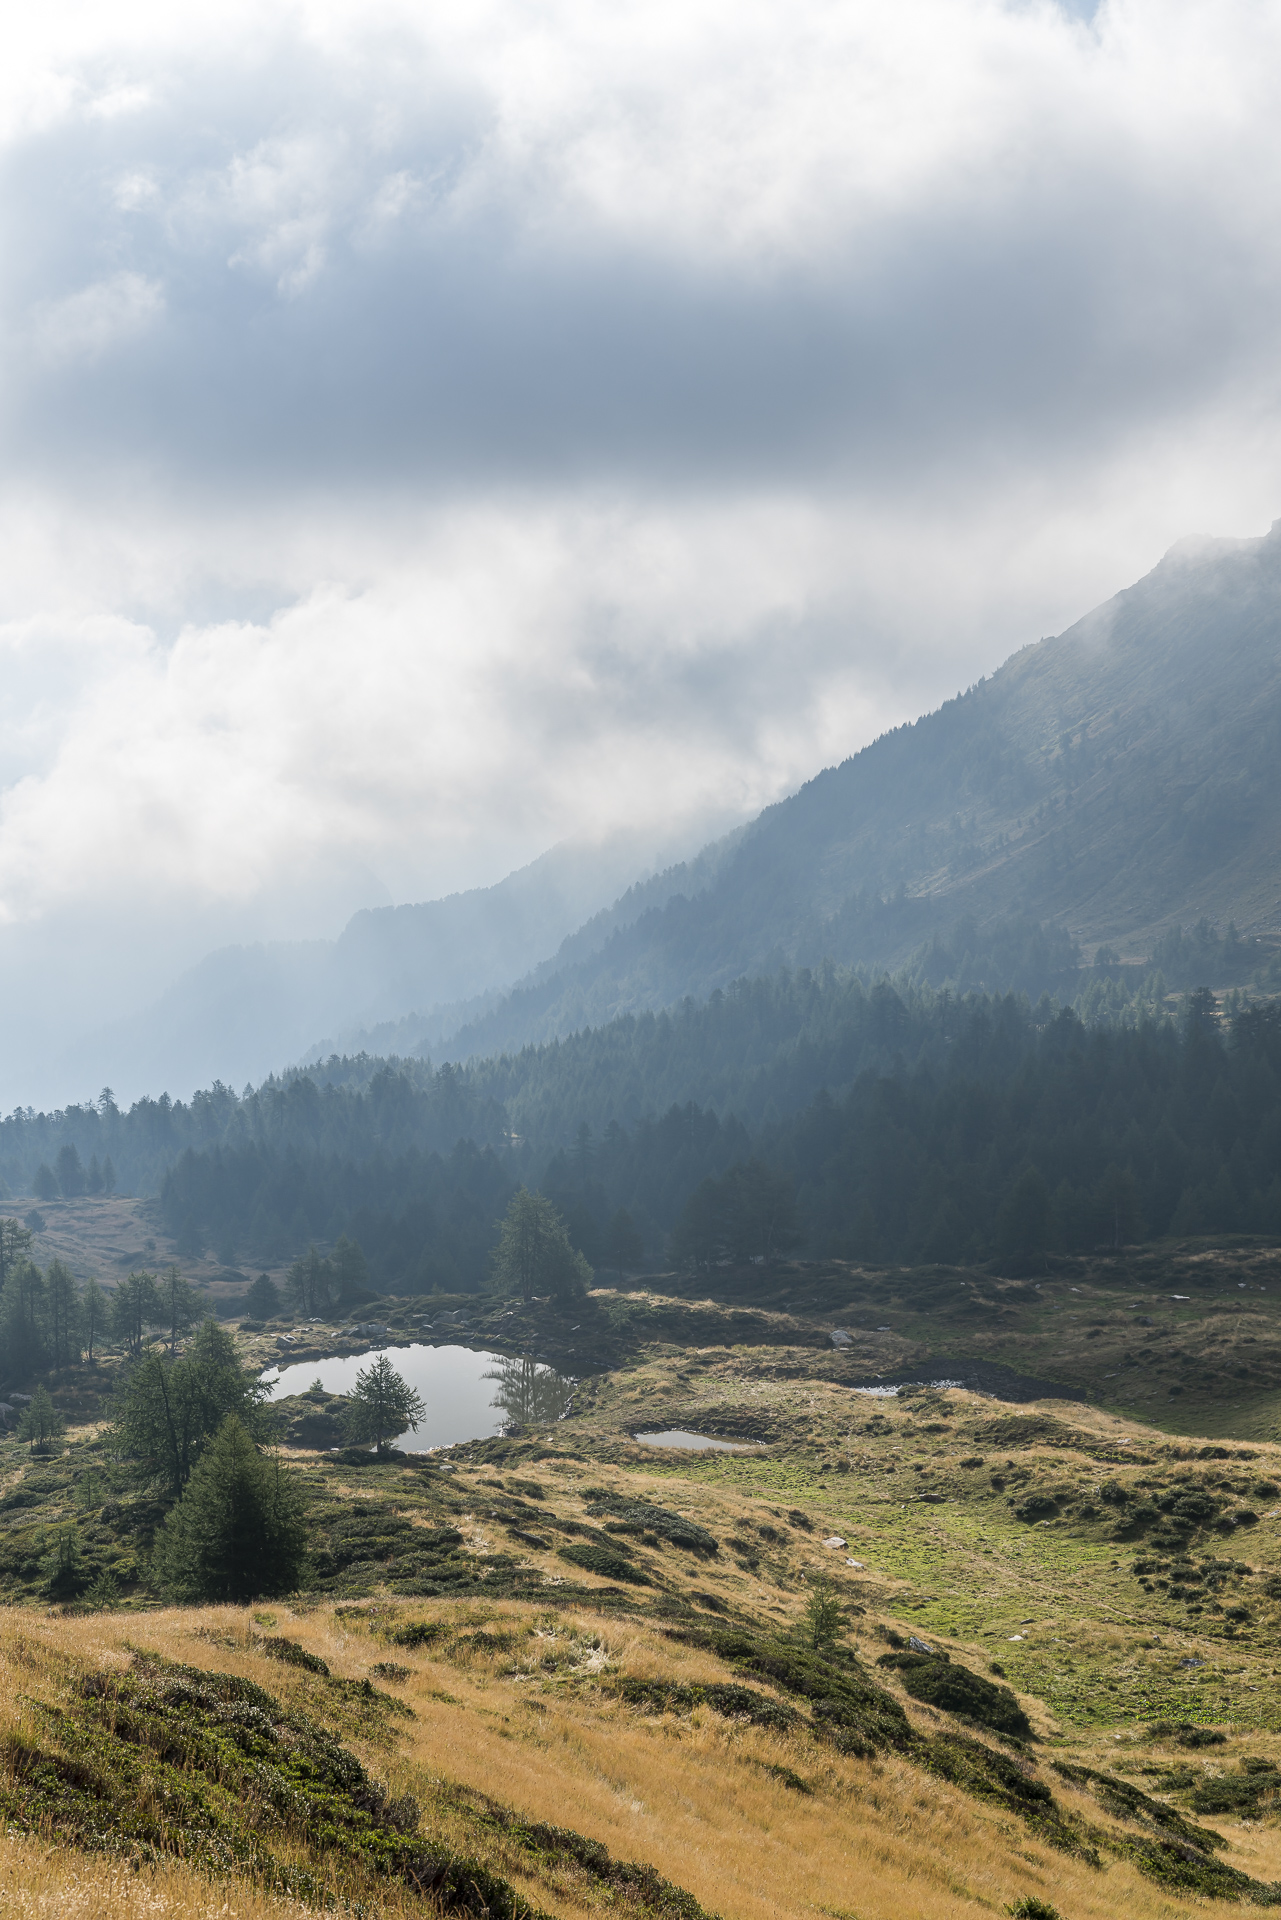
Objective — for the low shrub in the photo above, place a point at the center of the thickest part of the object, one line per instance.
(602, 1561)
(939, 1682)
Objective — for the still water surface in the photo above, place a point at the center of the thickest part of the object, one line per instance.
(468, 1395)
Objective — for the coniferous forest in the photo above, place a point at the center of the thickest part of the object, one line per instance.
(883, 1122)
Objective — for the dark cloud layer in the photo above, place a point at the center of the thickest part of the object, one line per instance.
(288, 268)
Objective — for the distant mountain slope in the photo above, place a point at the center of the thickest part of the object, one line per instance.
(246, 1010)
(1117, 780)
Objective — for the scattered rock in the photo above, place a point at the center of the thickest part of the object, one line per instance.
(835, 1541)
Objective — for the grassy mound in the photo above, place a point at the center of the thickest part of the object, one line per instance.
(941, 1682)
(168, 1759)
(605, 1561)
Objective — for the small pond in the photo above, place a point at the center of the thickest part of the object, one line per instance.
(468, 1395)
(694, 1442)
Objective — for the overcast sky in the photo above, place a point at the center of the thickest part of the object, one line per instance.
(431, 432)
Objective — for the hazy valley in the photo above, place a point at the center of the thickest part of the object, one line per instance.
(917, 1144)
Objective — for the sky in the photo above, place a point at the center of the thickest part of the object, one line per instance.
(430, 433)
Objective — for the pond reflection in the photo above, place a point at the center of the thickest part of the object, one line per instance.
(530, 1395)
(456, 1384)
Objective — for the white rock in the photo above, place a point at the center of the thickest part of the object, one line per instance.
(835, 1541)
(839, 1337)
(857, 1563)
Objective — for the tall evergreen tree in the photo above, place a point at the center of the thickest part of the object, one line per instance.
(167, 1411)
(135, 1309)
(311, 1283)
(41, 1423)
(351, 1270)
(15, 1245)
(22, 1319)
(95, 1314)
(70, 1170)
(179, 1302)
(239, 1532)
(534, 1254)
(62, 1314)
(263, 1298)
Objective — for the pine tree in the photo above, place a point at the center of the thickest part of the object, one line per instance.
(350, 1269)
(15, 1246)
(22, 1320)
(263, 1298)
(41, 1423)
(240, 1529)
(62, 1314)
(534, 1254)
(61, 1566)
(168, 1411)
(823, 1617)
(136, 1308)
(180, 1303)
(71, 1173)
(94, 1313)
(382, 1404)
(311, 1283)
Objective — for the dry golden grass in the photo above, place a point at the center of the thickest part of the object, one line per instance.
(50, 1883)
(877, 1840)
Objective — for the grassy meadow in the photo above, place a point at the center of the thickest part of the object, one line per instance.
(567, 1672)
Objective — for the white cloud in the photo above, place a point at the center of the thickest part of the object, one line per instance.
(430, 428)
(88, 325)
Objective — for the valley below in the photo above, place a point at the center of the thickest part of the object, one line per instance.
(561, 1671)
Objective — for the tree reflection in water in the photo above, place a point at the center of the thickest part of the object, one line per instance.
(529, 1395)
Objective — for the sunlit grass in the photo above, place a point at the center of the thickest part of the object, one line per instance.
(531, 1727)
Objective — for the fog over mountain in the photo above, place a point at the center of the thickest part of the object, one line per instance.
(1115, 783)
(246, 1010)
(436, 436)
(1120, 781)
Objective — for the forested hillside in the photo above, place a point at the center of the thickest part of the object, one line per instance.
(873, 1124)
(1118, 786)
(1121, 781)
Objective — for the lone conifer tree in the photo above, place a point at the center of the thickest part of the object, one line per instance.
(534, 1254)
(263, 1298)
(382, 1404)
(239, 1530)
(41, 1423)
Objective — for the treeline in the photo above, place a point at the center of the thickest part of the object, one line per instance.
(50, 1321)
(986, 1127)
(760, 1049)
(1038, 1135)
(427, 1220)
(349, 1109)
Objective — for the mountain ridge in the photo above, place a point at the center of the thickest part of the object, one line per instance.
(1113, 781)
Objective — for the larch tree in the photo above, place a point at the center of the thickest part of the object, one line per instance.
(382, 1404)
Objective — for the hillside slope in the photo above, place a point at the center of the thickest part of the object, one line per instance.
(1117, 780)
(570, 1675)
